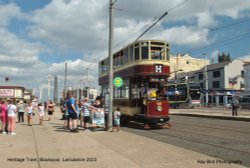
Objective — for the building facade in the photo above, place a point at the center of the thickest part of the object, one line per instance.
(181, 64)
(14, 93)
(224, 79)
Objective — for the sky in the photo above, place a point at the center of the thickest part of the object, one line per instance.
(37, 37)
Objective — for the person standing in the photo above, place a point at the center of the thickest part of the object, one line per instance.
(78, 110)
(4, 117)
(29, 110)
(50, 109)
(71, 107)
(41, 113)
(86, 114)
(21, 110)
(235, 105)
(12, 109)
(117, 115)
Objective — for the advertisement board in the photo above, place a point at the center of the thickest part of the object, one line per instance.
(6, 92)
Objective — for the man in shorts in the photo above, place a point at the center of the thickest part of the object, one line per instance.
(71, 107)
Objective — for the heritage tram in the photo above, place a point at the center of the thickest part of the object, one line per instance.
(144, 68)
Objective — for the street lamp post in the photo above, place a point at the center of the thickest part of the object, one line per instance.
(206, 80)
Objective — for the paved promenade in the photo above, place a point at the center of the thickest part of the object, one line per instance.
(50, 146)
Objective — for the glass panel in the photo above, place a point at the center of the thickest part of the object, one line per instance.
(144, 52)
(131, 53)
(126, 56)
(137, 54)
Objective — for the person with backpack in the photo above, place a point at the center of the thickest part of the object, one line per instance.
(235, 105)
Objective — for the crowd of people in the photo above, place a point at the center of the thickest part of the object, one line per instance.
(11, 113)
(83, 113)
(75, 113)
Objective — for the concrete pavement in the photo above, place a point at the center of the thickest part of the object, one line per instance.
(51, 146)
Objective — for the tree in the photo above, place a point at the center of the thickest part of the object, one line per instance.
(224, 57)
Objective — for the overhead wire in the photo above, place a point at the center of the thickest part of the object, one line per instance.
(213, 30)
(222, 43)
(154, 22)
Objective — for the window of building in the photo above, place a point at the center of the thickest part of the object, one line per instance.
(202, 85)
(216, 74)
(201, 76)
(216, 84)
(242, 74)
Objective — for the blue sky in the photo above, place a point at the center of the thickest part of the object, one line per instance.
(39, 36)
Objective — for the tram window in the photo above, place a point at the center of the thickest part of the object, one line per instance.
(121, 58)
(131, 53)
(115, 61)
(195, 94)
(144, 52)
(168, 54)
(156, 55)
(182, 89)
(126, 56)
(134, 91)
(137, 54)
(157, 43)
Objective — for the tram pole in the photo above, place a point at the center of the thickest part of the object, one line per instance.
(111, 16)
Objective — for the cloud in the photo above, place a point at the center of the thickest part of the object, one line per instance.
(71, 25)
(8, 12)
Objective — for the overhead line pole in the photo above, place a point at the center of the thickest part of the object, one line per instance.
(111, 16)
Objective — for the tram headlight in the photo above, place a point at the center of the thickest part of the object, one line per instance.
(159, 108)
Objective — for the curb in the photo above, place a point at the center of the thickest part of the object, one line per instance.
(215, 117)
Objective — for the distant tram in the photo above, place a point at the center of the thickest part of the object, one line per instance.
(144, 68)
(184, 95)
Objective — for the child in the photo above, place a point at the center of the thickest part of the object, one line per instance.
(117, 115)
(41, 113)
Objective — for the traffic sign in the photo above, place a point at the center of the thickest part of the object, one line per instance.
(118, 82)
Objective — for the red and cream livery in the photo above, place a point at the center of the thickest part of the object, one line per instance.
(143, 66)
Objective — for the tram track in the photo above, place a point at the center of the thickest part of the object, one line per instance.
(215, 128)
(226, 140)
(200, 141)
(209, 127)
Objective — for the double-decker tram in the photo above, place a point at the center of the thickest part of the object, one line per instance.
(144, 68)
(184, 95)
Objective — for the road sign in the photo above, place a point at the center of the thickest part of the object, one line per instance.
(118, 82)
